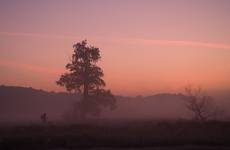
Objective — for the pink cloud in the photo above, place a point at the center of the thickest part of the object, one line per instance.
(30, 67)
(176, 43)
(130, 40)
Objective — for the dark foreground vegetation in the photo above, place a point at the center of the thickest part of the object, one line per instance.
(118, 135)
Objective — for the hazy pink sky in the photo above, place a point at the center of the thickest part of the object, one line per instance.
(147, 46)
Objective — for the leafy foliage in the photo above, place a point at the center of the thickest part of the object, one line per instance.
(85, 77)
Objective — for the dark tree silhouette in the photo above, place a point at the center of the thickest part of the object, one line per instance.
(85, 77)
(199, 104)
(44, 118)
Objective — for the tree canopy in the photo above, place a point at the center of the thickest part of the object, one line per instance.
(85, 77)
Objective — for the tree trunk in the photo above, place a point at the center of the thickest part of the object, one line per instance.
(83, 112)
(86, 91)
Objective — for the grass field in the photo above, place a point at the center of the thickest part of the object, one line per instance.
(143, 134)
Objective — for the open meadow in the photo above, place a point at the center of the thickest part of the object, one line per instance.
(133, 134)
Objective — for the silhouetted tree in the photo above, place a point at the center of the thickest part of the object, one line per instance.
(199, 104)
(85, 77)
(44, 118)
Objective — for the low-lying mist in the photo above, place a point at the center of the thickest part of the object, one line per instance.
(19, 104)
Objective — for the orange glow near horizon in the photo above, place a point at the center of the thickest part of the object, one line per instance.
(147, 47)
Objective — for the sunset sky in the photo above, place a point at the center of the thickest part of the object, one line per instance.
(147, 46)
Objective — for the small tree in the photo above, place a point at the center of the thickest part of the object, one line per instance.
(44, 118)
(199, 104)
(85, 77)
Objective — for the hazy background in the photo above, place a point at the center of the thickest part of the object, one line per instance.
(147, 47)
(19, 104)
